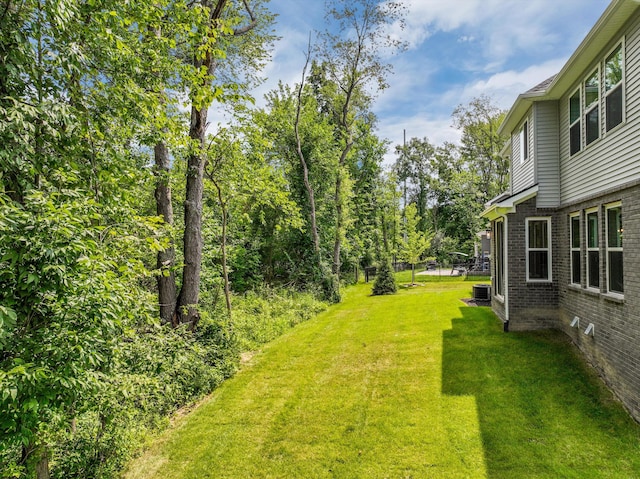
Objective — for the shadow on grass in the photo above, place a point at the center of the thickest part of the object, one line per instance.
(542, 411)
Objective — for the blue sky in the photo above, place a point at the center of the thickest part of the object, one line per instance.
(459, 49)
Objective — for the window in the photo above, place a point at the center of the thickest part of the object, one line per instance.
(574, 225)
(538, 249)
(614, 249)
(524, 142)
(575, 112)
(592, 107)
(613, 88)
(499, 259)
(593, 251)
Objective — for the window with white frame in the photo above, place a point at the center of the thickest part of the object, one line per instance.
(524, 142)
(593, 249)
(576, 258)
(613, 88)
(538, 249)
(615, 283)
(592, 107)
(575, 125)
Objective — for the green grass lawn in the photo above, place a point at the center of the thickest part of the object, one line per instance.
(413, 385)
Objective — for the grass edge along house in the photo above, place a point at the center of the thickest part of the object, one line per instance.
(566, 236)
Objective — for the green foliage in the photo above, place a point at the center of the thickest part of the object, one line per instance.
(63, 301)
(262, 316)
(156, 371)
(417, 242)
(385, 282)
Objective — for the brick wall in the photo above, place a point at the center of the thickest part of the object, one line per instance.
(614, 349)
(532, 305)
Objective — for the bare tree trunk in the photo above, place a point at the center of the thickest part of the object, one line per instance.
(42, 466)
(335, 269)
(223, 250)
(338, 198)
(187, 304)
(303, 163)
(166, 279)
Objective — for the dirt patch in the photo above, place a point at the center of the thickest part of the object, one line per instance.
(476, 302)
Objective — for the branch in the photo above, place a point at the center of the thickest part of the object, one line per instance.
(247, 28)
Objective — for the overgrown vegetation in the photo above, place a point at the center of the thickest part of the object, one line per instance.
(154, 370)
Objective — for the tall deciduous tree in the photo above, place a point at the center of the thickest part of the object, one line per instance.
(414, 168)
(72, 73)
(353, 59)
(481, 145)
(416, 242)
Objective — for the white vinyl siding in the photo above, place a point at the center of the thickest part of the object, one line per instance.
(547, 154)
(522, 169)
(612, 161)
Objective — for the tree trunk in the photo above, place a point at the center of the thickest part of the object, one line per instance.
(223, 250)
(42, 466)
(338, 197)
(305, 170)
(385, 234)
(187, 304)
(339, 220)
(166, 278)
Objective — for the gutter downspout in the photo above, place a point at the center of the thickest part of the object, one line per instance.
(506, 273)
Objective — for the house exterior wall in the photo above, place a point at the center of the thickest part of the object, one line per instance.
(547, 153)
(612, 160)
(522, 171)
(532, 305)
(605, 172)
(613, 348)
(498, 303)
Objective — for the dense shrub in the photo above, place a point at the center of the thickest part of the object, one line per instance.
(385, 282)
(157, 370)
(262, 316)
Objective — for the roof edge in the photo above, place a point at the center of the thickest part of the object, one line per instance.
(503, 207)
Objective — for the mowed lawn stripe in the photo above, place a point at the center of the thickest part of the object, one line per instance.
(413, 385)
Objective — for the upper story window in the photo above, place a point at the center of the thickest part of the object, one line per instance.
(592, 107)
(538, 249)
(524, 142)
(613, 87)
(603, 88)
(575, 127)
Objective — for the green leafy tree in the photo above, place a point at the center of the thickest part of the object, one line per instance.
(414, 169)
(481, 145)
(416, 242)
(352, 61)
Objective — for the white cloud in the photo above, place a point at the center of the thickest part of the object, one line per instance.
(436, 130)
(505, 86)
(502, 27)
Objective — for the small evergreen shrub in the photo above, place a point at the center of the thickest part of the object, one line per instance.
(385, 282)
